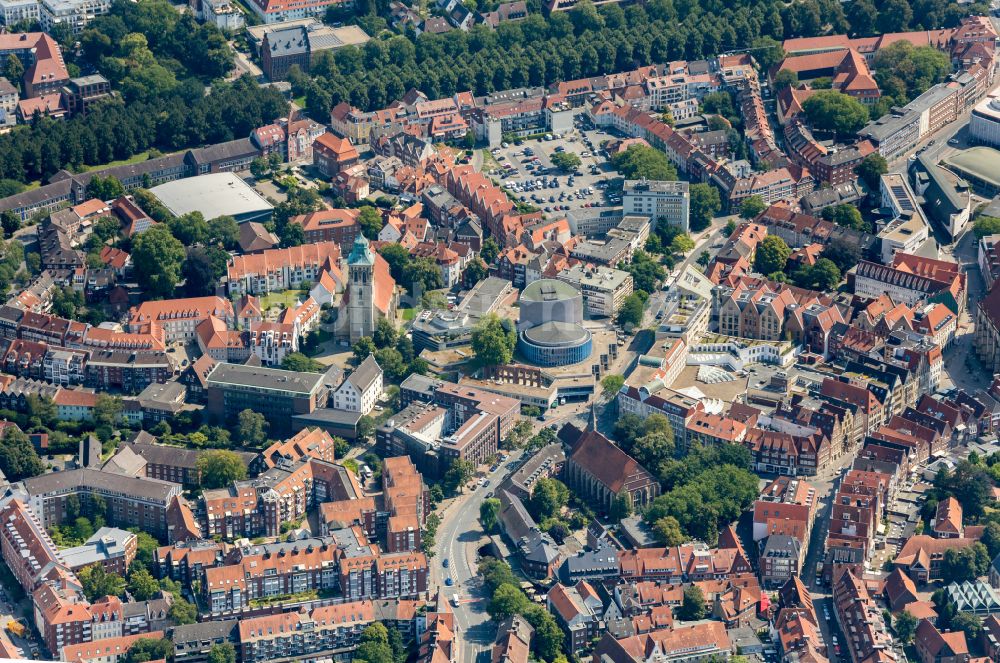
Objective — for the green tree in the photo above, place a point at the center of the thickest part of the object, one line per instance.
(422, 274)
(566, 161)
(961, 564)
(148, 649)
(18, 459)
(719, 103)
(644, 162)
(203, 269)
(10, 222)
(905, 71)
(830, 110)
(365, 429)
(496, 572)
(986, 225)
(296, 361)
(220, 467)
(105, 188)
(190, 228)
(362, 348)
(681, 244)
(991, 537)
(475, 272)
(549, 637)
(489, 514)
(751, 207)
(489, 251)
(385, 335)
(141, 584)
(847, 216)
(655, 446)
(646, 273)
(824, 275)
(398, 258)
(251, 428)
(705, 204)
(772, 254)
(66, 301)
(226, 231)
(146, 547)
(693, 605)
(108, 410)
(621, 507)
(843, 254)
(370, 221)
(862, 16)
(548, 497)
(260, 168)
(97, 582)
(611, 384)
(374, 647)
(631, 311)
(969, 623)
(157, 257)
(14, 70)
(183, 612)
(459, 472)
(668, 531)
(871, 168)
(767, 52)
(493, 341)
(224, 653)
(785, 78)
(905, 626)
(507, 600)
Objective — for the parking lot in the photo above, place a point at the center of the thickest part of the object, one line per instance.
(528, 174)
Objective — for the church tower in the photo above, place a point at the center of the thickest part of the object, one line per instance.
(361, 289)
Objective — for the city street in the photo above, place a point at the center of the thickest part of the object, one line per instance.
(458, 536)
(962, 369)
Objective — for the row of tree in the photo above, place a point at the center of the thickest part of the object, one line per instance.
(159, 61)
(590, 42)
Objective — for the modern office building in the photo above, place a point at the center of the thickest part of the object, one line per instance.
(278, 395)
(658, 199)
(908, 229)
(984, 125)
(604, 289)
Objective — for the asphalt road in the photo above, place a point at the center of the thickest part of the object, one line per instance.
(458, 536)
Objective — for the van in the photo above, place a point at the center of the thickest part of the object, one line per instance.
(454, 600)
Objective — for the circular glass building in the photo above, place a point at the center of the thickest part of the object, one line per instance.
(550, 323)
(555, 344)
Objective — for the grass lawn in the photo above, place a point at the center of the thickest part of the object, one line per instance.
(300, 101)
(489, 161)
(288, 298)
(142, 156)
(409, 314)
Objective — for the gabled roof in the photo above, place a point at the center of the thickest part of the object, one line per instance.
(606, 462)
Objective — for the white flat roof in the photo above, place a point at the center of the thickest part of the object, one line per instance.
(214, 195)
